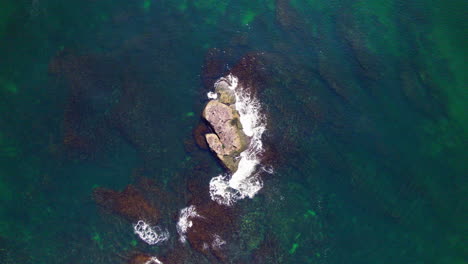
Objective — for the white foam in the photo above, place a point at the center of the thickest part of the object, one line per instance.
(268, 169)
(212, 95)
(151, 235)
(185, 221)
(205, 246)
(245, 182)
(154, 260)
(217, 242)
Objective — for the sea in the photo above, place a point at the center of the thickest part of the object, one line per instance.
(356, 114)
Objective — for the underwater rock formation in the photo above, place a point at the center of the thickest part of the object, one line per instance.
(131, 116)
(228, 139)
(214, 67)
(129, 203)
(208, 231)
(199, 135)
(286, 16)
(353, 35)
(209, 226)
(251, 70)
(139, 259)
(92, 91)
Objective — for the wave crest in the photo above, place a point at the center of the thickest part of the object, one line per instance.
(185, 222)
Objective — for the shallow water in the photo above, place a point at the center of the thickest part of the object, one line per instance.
(366, 128)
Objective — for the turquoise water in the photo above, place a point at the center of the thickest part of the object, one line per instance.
(366, 127)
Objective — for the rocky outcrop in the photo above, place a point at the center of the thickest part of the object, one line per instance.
(228, 139)
(225, 94)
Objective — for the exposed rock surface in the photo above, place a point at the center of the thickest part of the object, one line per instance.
(225, 94)
(228, 139)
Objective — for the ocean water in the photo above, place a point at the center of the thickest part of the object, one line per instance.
(357, 108)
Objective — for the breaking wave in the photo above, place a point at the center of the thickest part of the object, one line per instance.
(212, 95)
(245, 182)
(218, 242)
(151, 235)
(153, 260)
(185, 221)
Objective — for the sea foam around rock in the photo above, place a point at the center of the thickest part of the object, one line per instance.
(245, 182)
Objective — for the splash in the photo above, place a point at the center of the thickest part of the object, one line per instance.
(185, 221)
(153, 260)
(151, 235)
(217, 242)
(245, 182)
(212, 95)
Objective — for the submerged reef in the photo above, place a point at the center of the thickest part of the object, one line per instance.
(213, 225)
(199, 135)
(93, 88)
(362, 113)
(139, 258)
(129, 203)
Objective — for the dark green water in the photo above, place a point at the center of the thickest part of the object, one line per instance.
(367, 123)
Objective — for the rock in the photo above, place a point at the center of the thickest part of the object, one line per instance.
(218, 147)
(228, 139)
(215, 144)
(225, 94)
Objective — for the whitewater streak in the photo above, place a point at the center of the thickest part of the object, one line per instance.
(245, 182)
(185, 221)
(153, 260)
